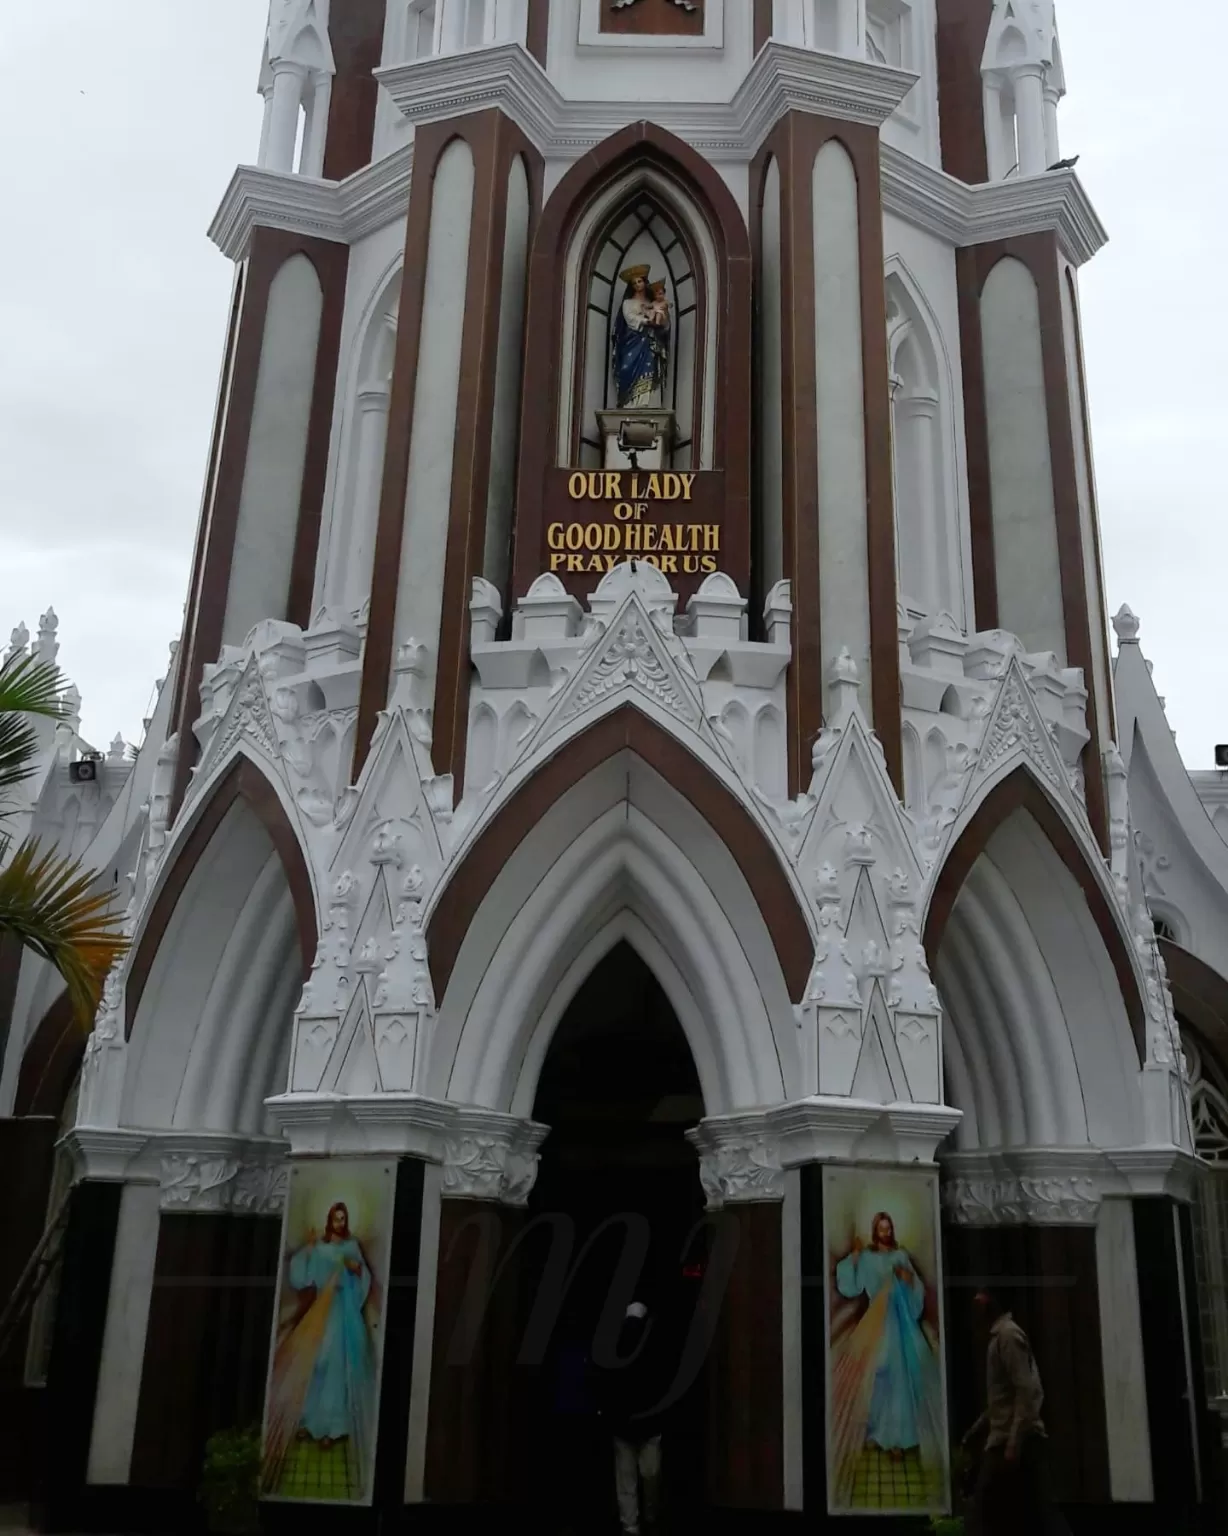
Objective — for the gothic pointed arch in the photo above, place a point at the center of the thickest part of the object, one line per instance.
(242, 782)
(626, 729)
(682, 198)
(1022, 792)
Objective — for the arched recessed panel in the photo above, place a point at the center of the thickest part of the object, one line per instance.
(1025, 542)
(276, 451)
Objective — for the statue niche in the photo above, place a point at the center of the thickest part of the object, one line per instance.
(639, 362)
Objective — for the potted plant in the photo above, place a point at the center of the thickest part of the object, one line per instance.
(230, 1478)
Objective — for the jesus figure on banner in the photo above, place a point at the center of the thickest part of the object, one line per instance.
(324, 1367)
(886, 1386)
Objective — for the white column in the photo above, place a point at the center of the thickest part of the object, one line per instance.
(288, 81)
(356, 542)
(315, 130)
(917, 415)
(1053, 152)
(262, 156)
(123, 1338)
(1030, 119)
(1121, 1350)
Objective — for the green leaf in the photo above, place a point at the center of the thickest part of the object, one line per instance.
(49, 902)
(18, 750)
(31, 686)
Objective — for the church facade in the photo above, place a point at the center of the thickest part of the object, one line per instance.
(643, 805)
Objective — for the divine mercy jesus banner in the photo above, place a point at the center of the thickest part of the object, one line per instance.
(322, 1399)
(886, 1382)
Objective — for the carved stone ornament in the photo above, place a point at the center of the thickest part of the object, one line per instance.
(1014, 1201)
(208, 1182)
(740, 1170)
(488, 1167)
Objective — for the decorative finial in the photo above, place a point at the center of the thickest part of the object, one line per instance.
(844, 682)
(1126, 625)
(18, 640)
(117, 750)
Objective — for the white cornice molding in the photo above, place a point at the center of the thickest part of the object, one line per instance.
(782, 79)
(1058, 1186)
(994, 210)
(925, 197)
(343, 211)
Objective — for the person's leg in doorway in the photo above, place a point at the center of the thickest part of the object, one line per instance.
(650, 1475)
(626, 1485)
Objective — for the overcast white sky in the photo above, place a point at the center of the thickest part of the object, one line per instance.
(122, 123)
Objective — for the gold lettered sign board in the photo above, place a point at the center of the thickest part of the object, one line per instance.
(671, 519)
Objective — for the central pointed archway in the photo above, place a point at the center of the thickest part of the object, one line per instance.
(619, 1089)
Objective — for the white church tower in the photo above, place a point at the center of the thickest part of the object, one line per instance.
(642, 745)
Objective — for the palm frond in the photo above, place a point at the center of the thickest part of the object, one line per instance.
(28, 686)
(48, 902)
(18, 751)
(31, 686)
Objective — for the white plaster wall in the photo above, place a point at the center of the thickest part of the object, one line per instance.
(844, 579)
(1020, 468)
(277, 448)
(420, 590)
(1125, 1381)
(770, 362)
(123, 1338)
(926, 265)
(1093, 577)
(508, 364)
(662, 71)
(372, 282)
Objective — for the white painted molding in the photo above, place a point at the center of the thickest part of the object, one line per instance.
(343, 211)
(781, 79)
(745, 1154)
(203, 1171)
(926, 197)
(995, 210)
(1057, 1187)
(485, 1155)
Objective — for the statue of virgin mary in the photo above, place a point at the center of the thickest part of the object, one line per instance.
(640, 342)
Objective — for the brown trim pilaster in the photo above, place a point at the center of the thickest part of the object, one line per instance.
(495, 141)
(1040, 254)
(332, 263)
(761, 24)
(430, 140)
(270, 250)
(976, 440)
(356, 32)
(795, 143)
(215, 445)
(537, 38)
(789, 147)
(1084, 420)
(963, 26)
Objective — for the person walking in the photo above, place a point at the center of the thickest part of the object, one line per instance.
(1012, 1496)
(628, 1394)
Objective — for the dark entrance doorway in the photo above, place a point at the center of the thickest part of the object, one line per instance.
(619, 1090)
